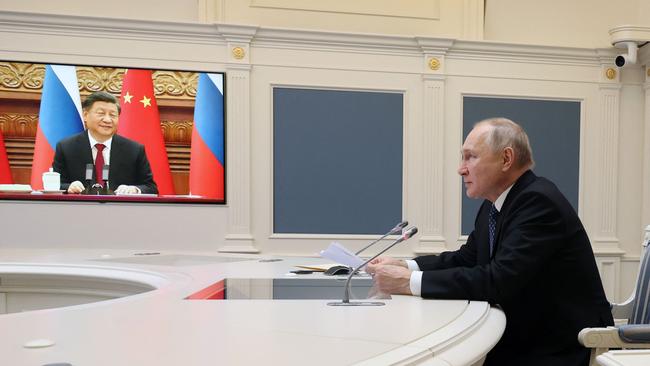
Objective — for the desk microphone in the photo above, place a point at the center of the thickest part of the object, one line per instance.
(105, 178)
(346, 295)
(396, 230)
(89, 177)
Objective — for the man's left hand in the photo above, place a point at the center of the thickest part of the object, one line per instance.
(393, 279)
(124, 189)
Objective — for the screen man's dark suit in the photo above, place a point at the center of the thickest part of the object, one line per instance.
(128, 164)
(543, 275)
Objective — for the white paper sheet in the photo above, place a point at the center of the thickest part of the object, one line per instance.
(340, 254)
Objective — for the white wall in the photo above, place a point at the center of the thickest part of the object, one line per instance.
(614, 172)
(575, 23)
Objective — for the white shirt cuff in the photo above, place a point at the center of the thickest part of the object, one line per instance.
(413, 265)
(416, 283)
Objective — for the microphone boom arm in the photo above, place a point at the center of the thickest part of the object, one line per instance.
(398, 228)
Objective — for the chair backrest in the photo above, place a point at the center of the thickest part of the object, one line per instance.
(641, 307)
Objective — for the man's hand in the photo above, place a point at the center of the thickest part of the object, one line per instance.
(76, 187)
(392, 279)
(124, 189)
(383, 261)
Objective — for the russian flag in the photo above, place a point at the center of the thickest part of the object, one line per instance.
(59, 117)
(207, 152)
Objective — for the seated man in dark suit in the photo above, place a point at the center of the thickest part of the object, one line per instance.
(528, 253)
(129, 172)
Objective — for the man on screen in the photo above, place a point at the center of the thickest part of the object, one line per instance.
(129, 172)
(528, 253)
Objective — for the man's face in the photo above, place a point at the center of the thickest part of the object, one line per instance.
(481, 168)
(101, 120)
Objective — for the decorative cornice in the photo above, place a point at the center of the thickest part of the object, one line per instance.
(102, 27)
(499, 51)
(237, 32)
(302, 38)
(606, 56)
(435, 46)
(221, 33)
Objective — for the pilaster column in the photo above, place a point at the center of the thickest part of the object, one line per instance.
(606, 228)
(431, 208)
(431, 239)
(605, 241)
(238, 140)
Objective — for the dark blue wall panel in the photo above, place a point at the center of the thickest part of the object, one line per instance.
(337, 161)
(553, 128)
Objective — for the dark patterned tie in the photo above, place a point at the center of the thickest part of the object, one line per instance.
(492, 225)
(99, 164)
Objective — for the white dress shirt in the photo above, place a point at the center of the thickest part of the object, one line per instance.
(106, 152)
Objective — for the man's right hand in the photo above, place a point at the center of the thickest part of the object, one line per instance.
(76, 187)
(382, 261)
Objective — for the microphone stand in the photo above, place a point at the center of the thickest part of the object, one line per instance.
(346, 295)
(89, 179)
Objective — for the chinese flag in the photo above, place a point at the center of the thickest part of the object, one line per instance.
(140, 121)
(5, 172)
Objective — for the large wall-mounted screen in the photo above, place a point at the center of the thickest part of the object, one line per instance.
(174, 118)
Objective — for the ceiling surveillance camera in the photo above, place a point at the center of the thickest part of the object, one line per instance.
(628, 58)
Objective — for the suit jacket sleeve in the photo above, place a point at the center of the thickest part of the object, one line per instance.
(529, 237)
(463, 257)
(59, 166)
(145, 180)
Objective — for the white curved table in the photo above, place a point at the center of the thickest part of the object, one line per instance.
(630, 357)
(160, 328)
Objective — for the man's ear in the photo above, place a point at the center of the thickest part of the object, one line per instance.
(508, 156)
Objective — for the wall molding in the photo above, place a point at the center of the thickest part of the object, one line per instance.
(218, 33)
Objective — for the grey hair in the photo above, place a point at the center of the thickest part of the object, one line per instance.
(506, 133)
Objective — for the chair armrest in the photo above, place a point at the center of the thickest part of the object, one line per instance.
(609, 337)
(600, 338)
(635, 333)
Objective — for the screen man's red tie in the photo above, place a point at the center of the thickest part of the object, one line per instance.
(99, 164)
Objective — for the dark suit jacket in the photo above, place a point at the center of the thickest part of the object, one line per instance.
(543, 274)
(128, 164)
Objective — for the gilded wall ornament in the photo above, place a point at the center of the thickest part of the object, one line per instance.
(18, 76)
(610, 73)
(238, 53)
(434, 63)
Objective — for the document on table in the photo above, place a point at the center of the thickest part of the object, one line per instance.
(340, 254)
